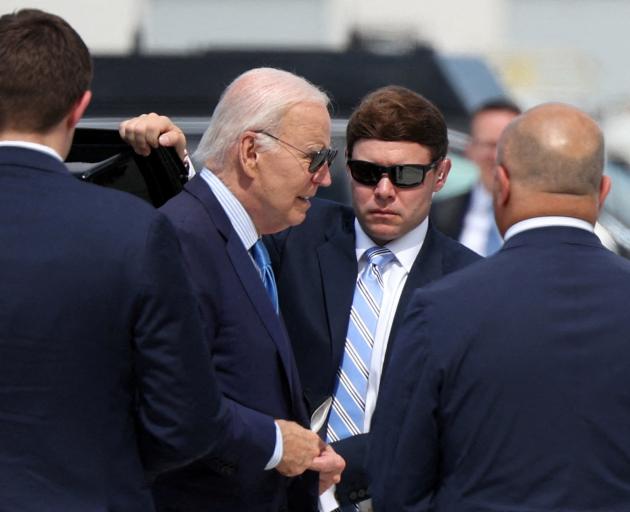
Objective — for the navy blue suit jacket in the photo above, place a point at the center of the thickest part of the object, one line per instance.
(102, 380)
(448, 214)
(316, 270)
(251, 355)
(510, 385)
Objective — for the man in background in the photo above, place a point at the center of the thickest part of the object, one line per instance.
(469, 217)
(266, 151)
(104, 379)
(509, 385)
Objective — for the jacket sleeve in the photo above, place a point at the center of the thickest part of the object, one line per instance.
(181, 412)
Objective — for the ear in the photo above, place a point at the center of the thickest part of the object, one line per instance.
(78, 109)
(441, 173)
(248, 154)
(604, 189)
(501, 185)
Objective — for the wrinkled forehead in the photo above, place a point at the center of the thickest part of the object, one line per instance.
(306, 121)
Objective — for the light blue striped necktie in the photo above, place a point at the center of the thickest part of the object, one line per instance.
(261, 257)
(348, 408)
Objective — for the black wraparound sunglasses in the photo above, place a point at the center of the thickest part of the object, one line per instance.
(318, 158)
(403, 175)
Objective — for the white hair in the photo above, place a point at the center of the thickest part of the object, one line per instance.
(256, 100)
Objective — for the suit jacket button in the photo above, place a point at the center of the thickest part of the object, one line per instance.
(353, 496)
(362, 494)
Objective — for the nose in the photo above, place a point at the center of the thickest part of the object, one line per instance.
(384, 188)
(322, 177)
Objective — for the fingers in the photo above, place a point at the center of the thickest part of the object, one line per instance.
(326, 481)
(300, 447)
(330, 466)
(328, 461)
(150, 131)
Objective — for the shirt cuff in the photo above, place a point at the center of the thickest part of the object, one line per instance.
(327, 500)
(278, 451)
(189, 166)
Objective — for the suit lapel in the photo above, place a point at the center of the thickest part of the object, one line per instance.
(339, 268)
(249, 277)
(427, 267)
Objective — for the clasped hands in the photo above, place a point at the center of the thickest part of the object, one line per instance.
(303, 449)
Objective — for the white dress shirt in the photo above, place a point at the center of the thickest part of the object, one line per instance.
(543, 222)
(478, 220)
(406, 250)
(246, 231)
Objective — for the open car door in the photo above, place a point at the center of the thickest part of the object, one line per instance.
(100, 156)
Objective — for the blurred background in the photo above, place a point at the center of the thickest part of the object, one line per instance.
(572, 50)
(175, 57)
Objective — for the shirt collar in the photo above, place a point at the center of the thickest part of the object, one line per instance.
(405, 248)
(34, 146)
(542, 222)
(239, 218)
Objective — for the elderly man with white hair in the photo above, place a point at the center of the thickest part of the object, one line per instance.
(266, 152)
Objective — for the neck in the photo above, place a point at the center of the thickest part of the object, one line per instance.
(560, 205)
(53, 139)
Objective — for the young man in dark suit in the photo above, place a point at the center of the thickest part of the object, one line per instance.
(104, 379)
(266, 151)
(396, 156)
(510, 379)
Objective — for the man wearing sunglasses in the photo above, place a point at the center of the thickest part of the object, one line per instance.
(266, 152)
(396, 156)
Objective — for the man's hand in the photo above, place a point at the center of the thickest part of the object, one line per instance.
(330, 465)
(300, 448)
(150, 131)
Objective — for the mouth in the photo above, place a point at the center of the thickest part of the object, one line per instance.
(306, 199)
(383, 213)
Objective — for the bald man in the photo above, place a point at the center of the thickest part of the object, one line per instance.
(509, 384)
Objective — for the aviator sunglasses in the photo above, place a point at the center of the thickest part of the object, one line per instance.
(403, 176)
(318, 158)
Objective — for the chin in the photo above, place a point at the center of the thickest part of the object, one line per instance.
(297, 218)
(382, 237)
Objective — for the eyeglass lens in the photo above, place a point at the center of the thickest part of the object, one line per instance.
(406, 175)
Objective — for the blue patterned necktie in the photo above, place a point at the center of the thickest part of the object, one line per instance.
(348, 408)
(261, 257)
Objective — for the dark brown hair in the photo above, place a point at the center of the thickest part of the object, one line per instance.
(496, 104)
(397, 114)
(45, 68)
